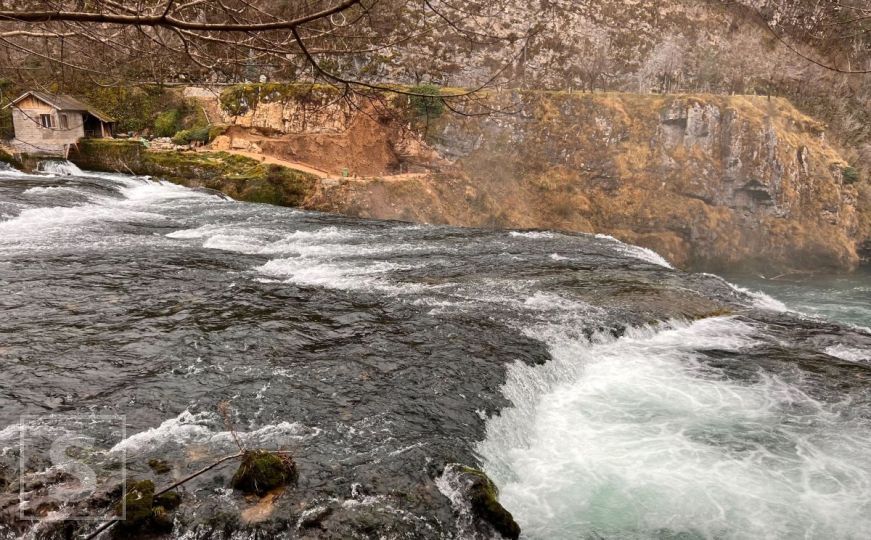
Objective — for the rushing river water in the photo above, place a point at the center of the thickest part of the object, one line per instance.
(843, 298)
(579, 372)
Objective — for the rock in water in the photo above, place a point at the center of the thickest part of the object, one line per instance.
(476, 499)
(138, 504)
(483, 497)
(262, 471)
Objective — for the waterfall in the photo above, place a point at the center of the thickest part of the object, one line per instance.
(657, 435)
(59, 167)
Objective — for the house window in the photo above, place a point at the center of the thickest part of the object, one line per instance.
(45, 120)
(64, 122)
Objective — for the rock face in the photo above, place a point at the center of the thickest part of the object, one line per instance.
(709, 182)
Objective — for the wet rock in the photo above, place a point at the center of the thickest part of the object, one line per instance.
(169, 500)
(483, 497)
(159, 466)
(262, 471)
(476, 500)
(137, 505)
(145, 514)
(315, 517)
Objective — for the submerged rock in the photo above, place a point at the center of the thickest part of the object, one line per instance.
(262, 471)
(144, 513)
(137, 504)
(169, 500)
(159, 466)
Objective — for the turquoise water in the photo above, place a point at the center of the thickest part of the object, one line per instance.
(844, 298)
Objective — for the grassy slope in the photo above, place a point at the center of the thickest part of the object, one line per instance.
(239, 177)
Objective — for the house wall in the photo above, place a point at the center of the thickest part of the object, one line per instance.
(31, 137)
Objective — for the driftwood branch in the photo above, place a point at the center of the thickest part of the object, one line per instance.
(105, 526)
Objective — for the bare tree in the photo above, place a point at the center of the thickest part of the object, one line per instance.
(341, 42)
(839, 29)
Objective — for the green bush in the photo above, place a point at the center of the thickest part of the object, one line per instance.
(850, 175)
(167, 123)
(6, 129)
(135, 108)
(427, 107)
(6, 158)
(216, 131)
(187, 136)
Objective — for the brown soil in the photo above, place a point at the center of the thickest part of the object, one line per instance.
(366, 148)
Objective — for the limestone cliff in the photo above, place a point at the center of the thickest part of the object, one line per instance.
(708, 181)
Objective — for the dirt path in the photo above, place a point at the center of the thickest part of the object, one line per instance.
(263, 158)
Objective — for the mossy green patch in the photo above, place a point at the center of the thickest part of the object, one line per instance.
(850, 175)
(159, 466)
(6, 158)
(144, 513)
(169, 500)
(167, 123)
(262, 471)
(138, 503)
(484, 501)
(240, 177)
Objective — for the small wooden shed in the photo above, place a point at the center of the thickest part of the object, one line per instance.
(48, 124)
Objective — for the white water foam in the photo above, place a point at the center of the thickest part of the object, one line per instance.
(758, 299)
(636, 438)
(60, 168)
(328, 257)
(851, 354)
(349, 276)
(637, 252)
(45, 227)
(50, 191)
(61, 221)
(8, 170)
(532, 234)
(202, 429)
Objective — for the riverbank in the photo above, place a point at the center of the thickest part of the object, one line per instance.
(713, 183)
(240, 177)
(710, 182)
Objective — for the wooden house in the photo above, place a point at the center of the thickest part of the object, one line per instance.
(48, 124)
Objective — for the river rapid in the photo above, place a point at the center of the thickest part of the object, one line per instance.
(606, 394)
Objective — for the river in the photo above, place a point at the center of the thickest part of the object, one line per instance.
(606, 394)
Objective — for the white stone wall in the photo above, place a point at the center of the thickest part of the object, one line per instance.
(31, 137)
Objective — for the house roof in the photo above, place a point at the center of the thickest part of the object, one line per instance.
(63, 102)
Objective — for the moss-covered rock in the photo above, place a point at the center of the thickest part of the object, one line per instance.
(169, 500)
(161, 521)
(144, 513)
(159, 466)
(262, 471)
(137, 505)
(484, 503)
(239, 177)
(6, 158)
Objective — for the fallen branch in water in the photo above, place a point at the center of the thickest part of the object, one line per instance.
(174, 485)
